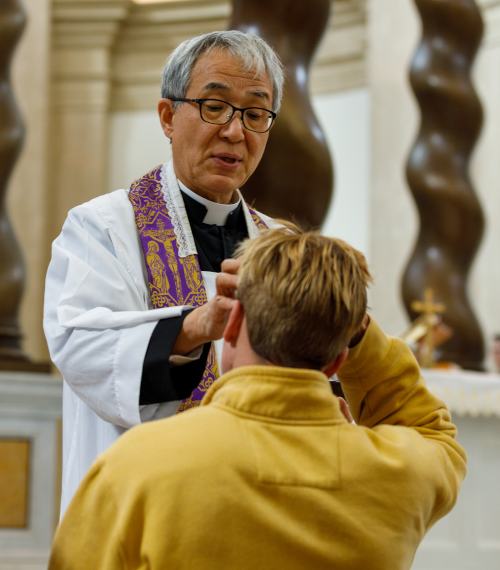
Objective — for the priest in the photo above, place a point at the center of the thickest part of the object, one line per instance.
(135, 300)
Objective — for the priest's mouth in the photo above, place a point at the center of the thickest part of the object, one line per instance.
(227, 160)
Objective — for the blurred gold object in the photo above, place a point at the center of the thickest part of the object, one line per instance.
(429, 310)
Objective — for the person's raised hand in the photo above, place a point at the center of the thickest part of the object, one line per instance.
(344, 408)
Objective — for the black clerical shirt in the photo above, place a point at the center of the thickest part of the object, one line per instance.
(160, 383)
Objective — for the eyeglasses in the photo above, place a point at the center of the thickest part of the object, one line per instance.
(219, 112)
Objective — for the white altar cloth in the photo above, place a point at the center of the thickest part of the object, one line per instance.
(465, 392)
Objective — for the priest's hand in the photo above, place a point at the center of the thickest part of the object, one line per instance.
(207, 323)
(227, 279)
(204, 324)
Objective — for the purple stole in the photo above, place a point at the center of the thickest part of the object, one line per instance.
(173, 280)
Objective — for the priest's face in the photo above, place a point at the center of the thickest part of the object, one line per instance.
(214, 160)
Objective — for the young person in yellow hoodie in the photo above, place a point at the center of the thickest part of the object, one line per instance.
(267, 472)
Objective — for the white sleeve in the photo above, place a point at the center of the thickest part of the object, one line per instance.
(181, 359)
(97, 320)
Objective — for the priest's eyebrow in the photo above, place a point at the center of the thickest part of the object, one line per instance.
(215, 85)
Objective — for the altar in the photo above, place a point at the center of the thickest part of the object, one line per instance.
(469, 537)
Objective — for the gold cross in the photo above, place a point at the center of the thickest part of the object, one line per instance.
(428, 308)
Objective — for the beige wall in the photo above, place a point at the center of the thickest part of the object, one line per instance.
(393, 33)
(137, 144)
(485, 169)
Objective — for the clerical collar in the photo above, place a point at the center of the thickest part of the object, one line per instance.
(217, 214)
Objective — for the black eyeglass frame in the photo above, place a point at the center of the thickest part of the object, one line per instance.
(242, 111)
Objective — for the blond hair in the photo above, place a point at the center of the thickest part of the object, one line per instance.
(304, 295)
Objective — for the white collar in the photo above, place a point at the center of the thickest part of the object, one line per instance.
(216, 213)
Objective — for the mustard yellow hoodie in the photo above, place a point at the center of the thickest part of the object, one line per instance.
(268, 474)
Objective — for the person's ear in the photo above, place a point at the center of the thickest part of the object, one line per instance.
(166, 111)
(234, 323)
(335, 365)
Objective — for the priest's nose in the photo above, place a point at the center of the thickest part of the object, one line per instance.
(234, 129)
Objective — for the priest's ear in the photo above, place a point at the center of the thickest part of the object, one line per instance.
(166, 111)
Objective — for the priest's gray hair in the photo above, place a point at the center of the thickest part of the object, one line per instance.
(251, 50)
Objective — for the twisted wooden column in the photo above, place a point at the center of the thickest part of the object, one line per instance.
(451, 219)
(12, 22)
(295, 176)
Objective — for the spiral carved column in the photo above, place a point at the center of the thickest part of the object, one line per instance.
(294, 179)
(451, 218)
(12, 22)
